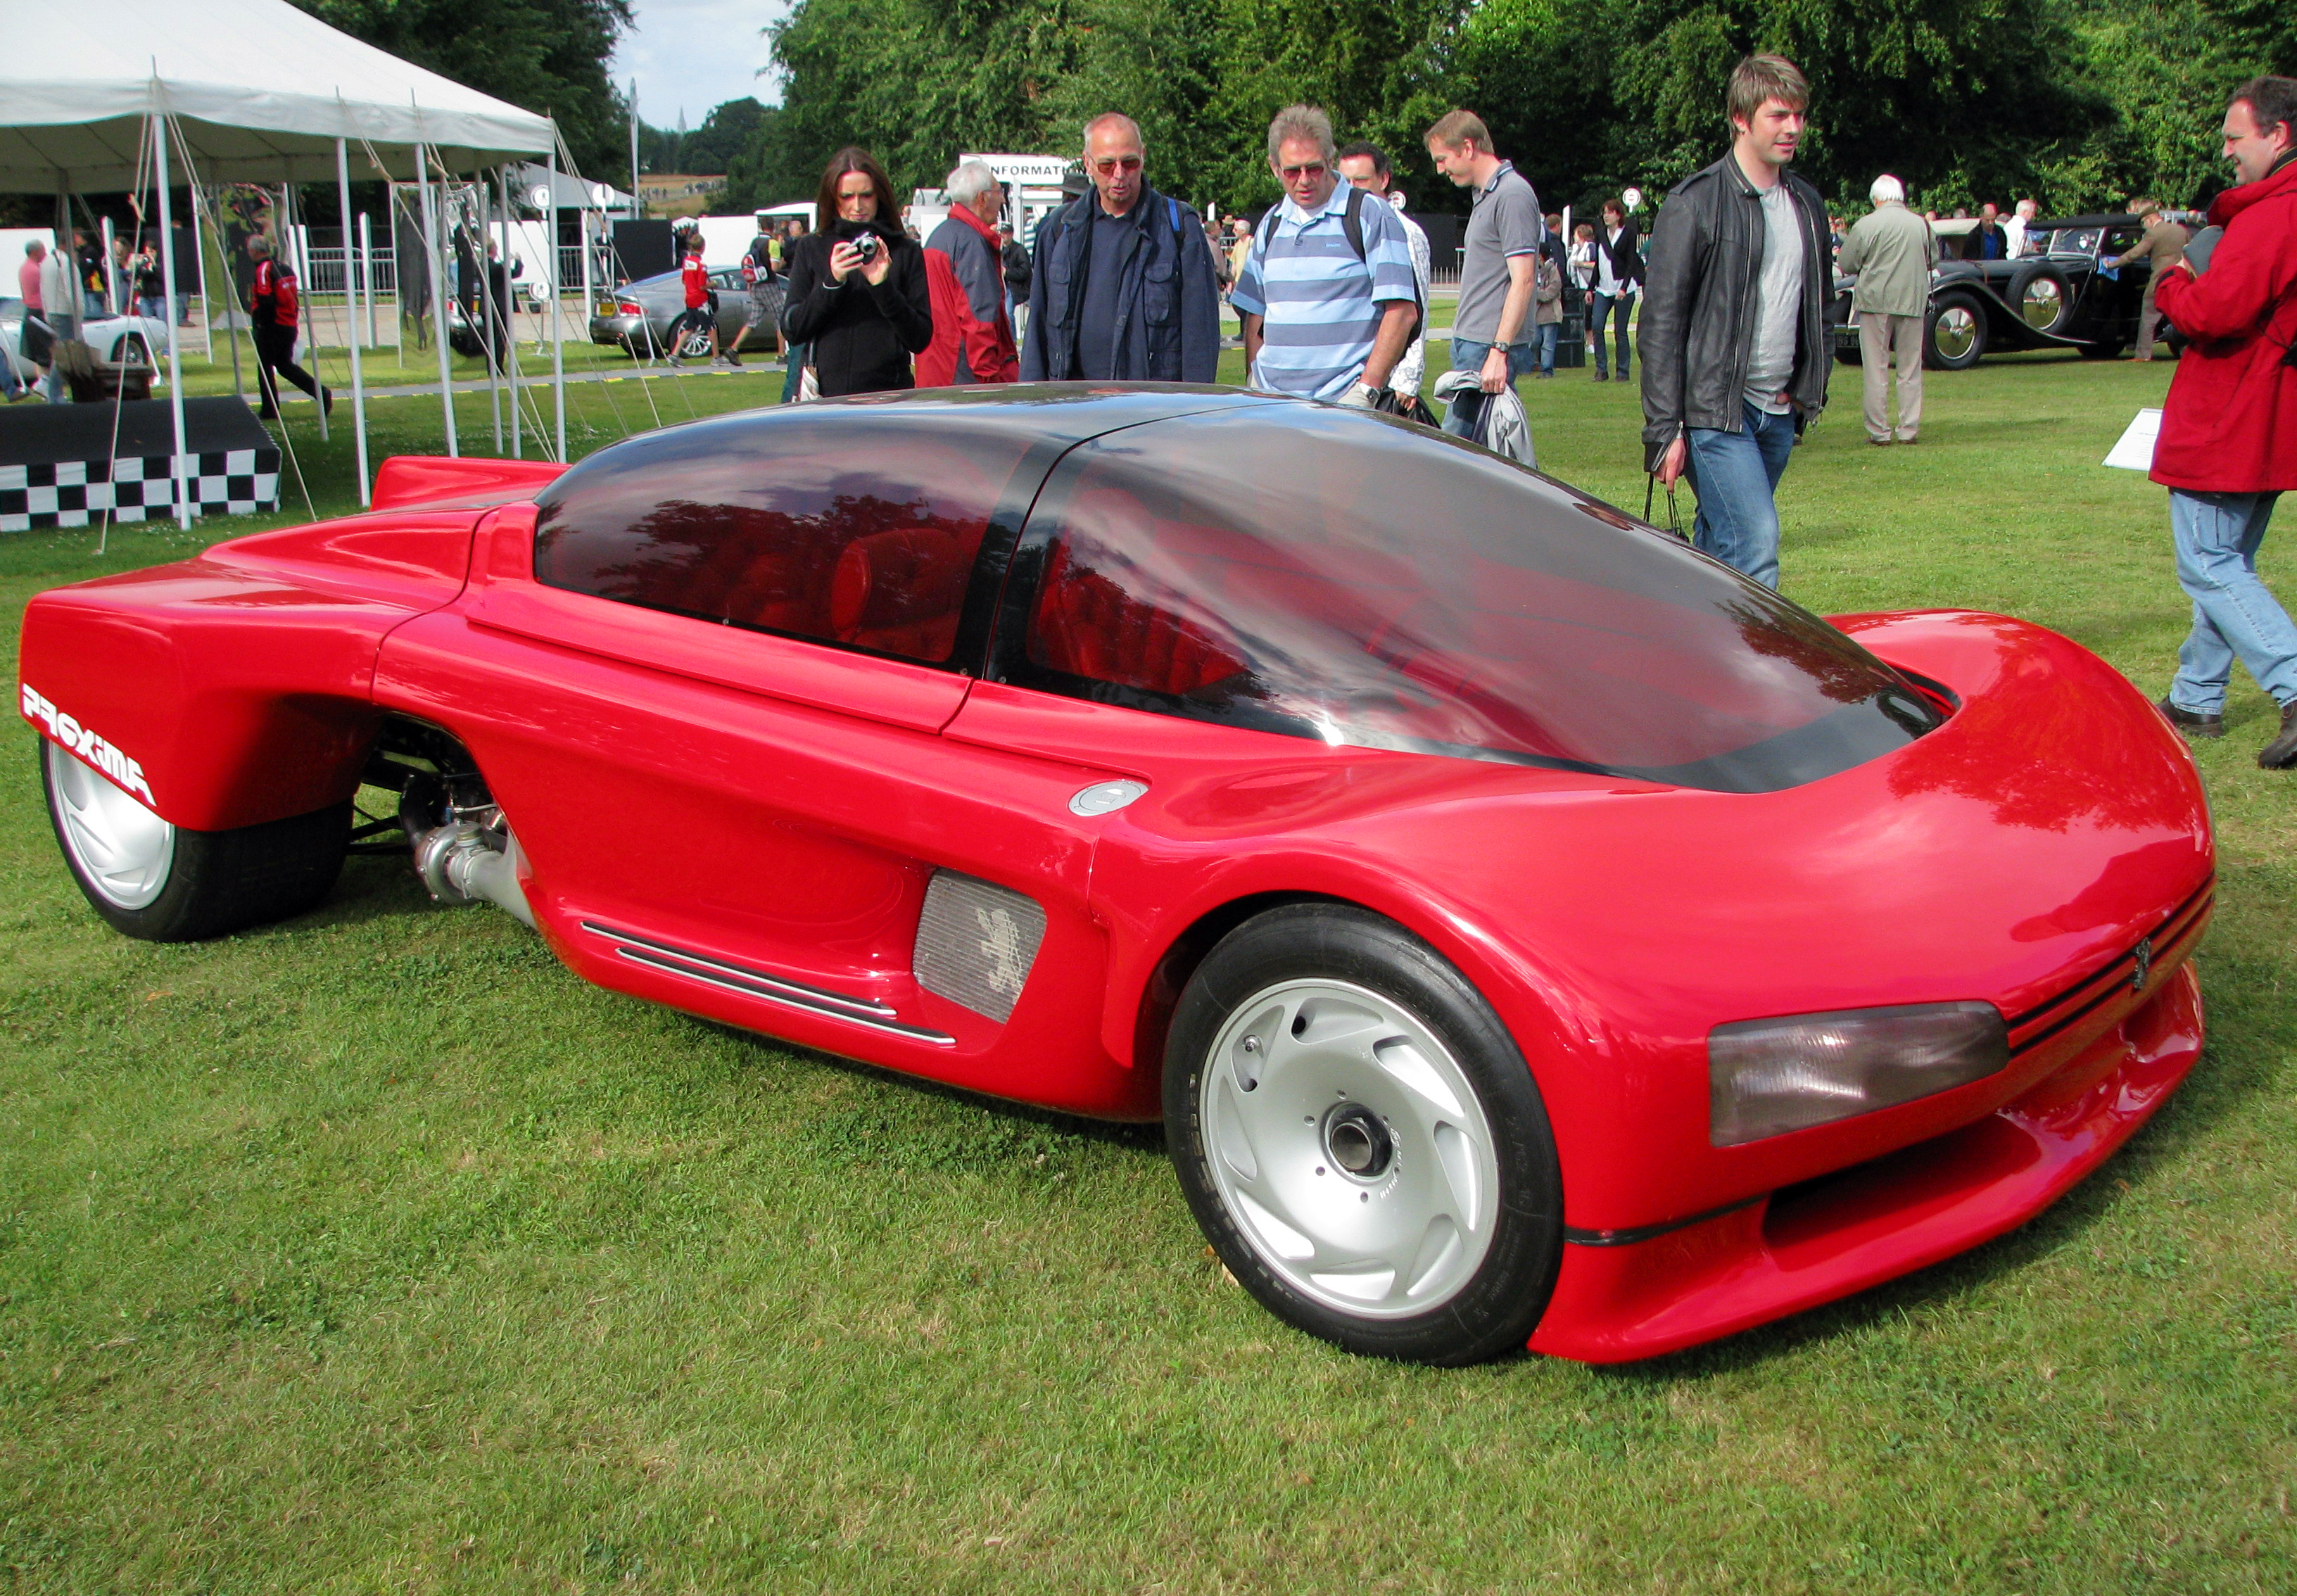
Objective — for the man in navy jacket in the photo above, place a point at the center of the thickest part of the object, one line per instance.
(1124, 286)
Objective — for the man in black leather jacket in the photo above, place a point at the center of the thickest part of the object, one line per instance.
(1733, 335)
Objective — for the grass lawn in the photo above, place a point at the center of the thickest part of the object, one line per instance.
(376, 1251)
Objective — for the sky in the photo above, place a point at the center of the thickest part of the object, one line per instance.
(695, 54)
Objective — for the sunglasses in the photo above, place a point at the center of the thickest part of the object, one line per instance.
(1294, 174)
(1121, 163)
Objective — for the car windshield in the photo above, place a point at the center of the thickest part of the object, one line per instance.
(1366, 582)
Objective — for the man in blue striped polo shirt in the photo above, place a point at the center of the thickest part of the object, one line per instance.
(1324, 317)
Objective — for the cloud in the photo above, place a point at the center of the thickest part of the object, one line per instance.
(695, 54)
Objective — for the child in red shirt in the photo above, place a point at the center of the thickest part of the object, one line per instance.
(701, 315)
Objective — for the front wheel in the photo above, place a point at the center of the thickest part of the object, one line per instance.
(1956, 335)
(1360, 1140)
(164, 884)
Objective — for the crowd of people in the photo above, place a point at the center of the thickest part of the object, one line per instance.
(64, 290)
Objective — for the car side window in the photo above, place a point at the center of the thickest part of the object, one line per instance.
(838, 527)
(1167, 569)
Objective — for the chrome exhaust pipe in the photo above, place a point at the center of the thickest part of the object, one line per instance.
(463, 862)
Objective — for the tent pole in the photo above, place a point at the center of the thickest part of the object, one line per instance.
(350, 316)
(231, 328)
(111, 269)
(557, 309)
(438, 289)
(180, 475)
(199, 265)
(297, 238)
(510, 317)
(488, 310)
(366, 282)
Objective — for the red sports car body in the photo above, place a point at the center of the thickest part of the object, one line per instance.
(1527, 928)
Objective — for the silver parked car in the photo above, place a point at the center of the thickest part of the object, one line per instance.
(635, 317)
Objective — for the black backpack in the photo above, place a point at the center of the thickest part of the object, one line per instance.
(1351, 224)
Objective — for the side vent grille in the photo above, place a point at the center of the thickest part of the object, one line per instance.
(976, 942)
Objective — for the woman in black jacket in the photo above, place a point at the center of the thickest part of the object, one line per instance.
(857, 294)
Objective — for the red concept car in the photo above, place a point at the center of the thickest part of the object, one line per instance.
(1528, 931)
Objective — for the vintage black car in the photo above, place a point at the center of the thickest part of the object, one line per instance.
(2060, 294)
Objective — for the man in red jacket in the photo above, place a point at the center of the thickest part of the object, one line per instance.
(965, 274)
(2229, 443)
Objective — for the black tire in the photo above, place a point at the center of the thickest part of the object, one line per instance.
(1963, 342)
(2106, 350)
(2040, 295)
(215, 882)
(133, 351)
(1494, 1308)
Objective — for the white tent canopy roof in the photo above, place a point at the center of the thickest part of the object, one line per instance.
(260, 90)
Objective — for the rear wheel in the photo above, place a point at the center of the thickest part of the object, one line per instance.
(1360, 1140)
(164, 884)
(2041, 295)
(1956, 335)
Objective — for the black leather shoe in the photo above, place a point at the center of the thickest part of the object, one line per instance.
(2192, 724)
(2281, 752)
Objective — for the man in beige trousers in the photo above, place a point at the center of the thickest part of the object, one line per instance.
(2163, 244)
(1890, 249)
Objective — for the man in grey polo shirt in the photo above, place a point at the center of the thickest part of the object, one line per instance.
(1490, 331)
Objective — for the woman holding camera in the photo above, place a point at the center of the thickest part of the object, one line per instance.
(857, 284)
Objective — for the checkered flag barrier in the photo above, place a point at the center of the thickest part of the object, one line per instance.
(74, 492)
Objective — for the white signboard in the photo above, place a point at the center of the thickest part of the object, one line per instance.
(1037, 171)
(2134, 450)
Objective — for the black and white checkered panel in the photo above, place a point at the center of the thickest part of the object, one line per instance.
(239, 482)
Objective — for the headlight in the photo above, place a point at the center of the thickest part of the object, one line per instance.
(1767, 1077)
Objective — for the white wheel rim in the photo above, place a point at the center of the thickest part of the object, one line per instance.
(1301, 1078)
(1957, 330)
(2044, 305)
(122, 850)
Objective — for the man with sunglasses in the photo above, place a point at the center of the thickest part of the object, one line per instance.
(1124, 287)
(1329, 299)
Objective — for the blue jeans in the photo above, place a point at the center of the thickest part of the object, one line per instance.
(1467, 355)
(1619, 307)
(1543, 337)
(1735, 475)
(2217, 535)
(154, 305)
(94, 306)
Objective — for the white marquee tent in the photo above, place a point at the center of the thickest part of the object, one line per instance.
(247, 91)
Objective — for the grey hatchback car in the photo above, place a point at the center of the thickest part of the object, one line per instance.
(635, 317)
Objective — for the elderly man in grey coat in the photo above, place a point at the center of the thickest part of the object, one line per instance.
(1890, 249)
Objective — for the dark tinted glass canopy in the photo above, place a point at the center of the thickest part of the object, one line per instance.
(1336, 575)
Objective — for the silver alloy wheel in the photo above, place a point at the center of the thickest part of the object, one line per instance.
(123, 850)
(1350, 1148)
(697, 344)
(2042, 304)
(1957, 330)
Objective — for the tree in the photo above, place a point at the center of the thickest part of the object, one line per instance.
(709, 150)
(546, 56)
